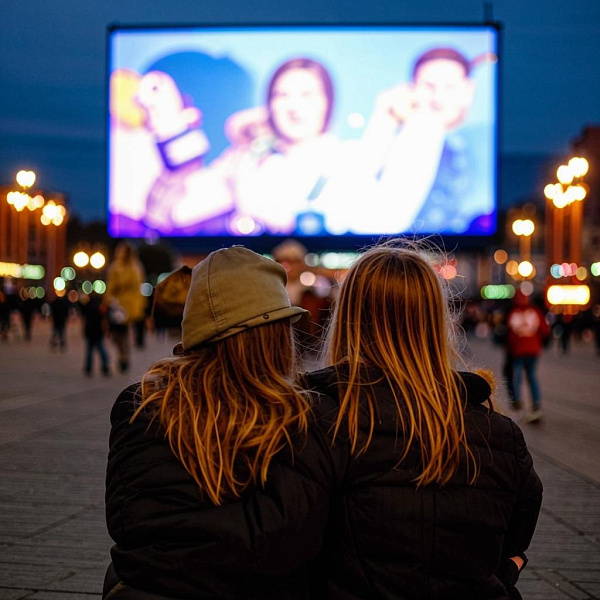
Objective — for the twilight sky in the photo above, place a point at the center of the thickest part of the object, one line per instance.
(53, 60)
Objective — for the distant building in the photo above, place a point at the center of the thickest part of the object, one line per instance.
(24, 240)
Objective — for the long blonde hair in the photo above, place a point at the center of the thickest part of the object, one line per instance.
(392, 314)
(229, 407)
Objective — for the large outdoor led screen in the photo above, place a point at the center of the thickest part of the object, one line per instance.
(310, 131)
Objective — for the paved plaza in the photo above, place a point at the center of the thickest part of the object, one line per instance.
(54, 438)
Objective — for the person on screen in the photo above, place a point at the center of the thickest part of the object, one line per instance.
(433, 169)
(282, 156)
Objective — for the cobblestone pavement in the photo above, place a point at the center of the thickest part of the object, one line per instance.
(53, 444)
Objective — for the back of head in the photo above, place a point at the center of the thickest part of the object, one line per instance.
(227, 401)
(392, 314)
(392, 309)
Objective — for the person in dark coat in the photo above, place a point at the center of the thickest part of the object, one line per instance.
(60, 313)
(216, 487)
(439, 498)
(94, 328)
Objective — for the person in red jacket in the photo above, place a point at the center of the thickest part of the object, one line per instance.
(527, 331)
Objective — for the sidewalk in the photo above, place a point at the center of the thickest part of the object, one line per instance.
(53, 445)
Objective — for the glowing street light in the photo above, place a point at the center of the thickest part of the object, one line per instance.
(524, 227)
(567, 194)
(53, 213)
(25, 179)
(81, 259)
(97, 260)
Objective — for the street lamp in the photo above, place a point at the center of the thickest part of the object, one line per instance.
(567, 193)
(53, 215)
(524, 228)
(19, 200)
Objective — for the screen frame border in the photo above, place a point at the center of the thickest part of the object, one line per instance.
(345, 242)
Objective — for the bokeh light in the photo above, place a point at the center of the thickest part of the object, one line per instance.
(97, 260)
(568, 294)
(525, 269)
(500, 256)
(497, 292)
(59, 284)
(512, 267)
(146, 289)
(68, 273)
(99, 286)
(87, 287)
(564, 174)
(526, 288)
(307, 278)
(25, 178)
(81, 259)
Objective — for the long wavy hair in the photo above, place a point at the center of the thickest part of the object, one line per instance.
(392, 313)
(227, 408)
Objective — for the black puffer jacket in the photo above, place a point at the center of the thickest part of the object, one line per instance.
(170, 542)
(388, 539)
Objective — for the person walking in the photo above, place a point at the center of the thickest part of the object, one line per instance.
(527, 331)
(94, 327)
(126, 304)
(439, 498)
(60, 313)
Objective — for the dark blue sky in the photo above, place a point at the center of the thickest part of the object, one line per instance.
(52, 76)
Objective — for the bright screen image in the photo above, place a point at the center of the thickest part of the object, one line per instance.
(306, 131)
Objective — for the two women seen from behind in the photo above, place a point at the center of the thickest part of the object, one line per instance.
(390, 480)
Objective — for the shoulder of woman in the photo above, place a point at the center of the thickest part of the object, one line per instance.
(126, 404)
(476, 389)
(323, 381)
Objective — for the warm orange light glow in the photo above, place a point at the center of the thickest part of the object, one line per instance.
(525, 269)
(25, 179)
(18, 200)
(579, 166)
(35, 202)
(561, 200)
(500, 256)
(448, 272)
(53, 213)
(550, 191)
(568, 294)
(97, 260)
(564, 174)
(81, 259)
(524, 227)
(512, 267)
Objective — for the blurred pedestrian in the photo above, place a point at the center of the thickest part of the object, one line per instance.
(596, 326)
(301, 288)
(4, 316)
(527, 331)
(60, 314)
(95, 326)
(27, 308)
(126, 304)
